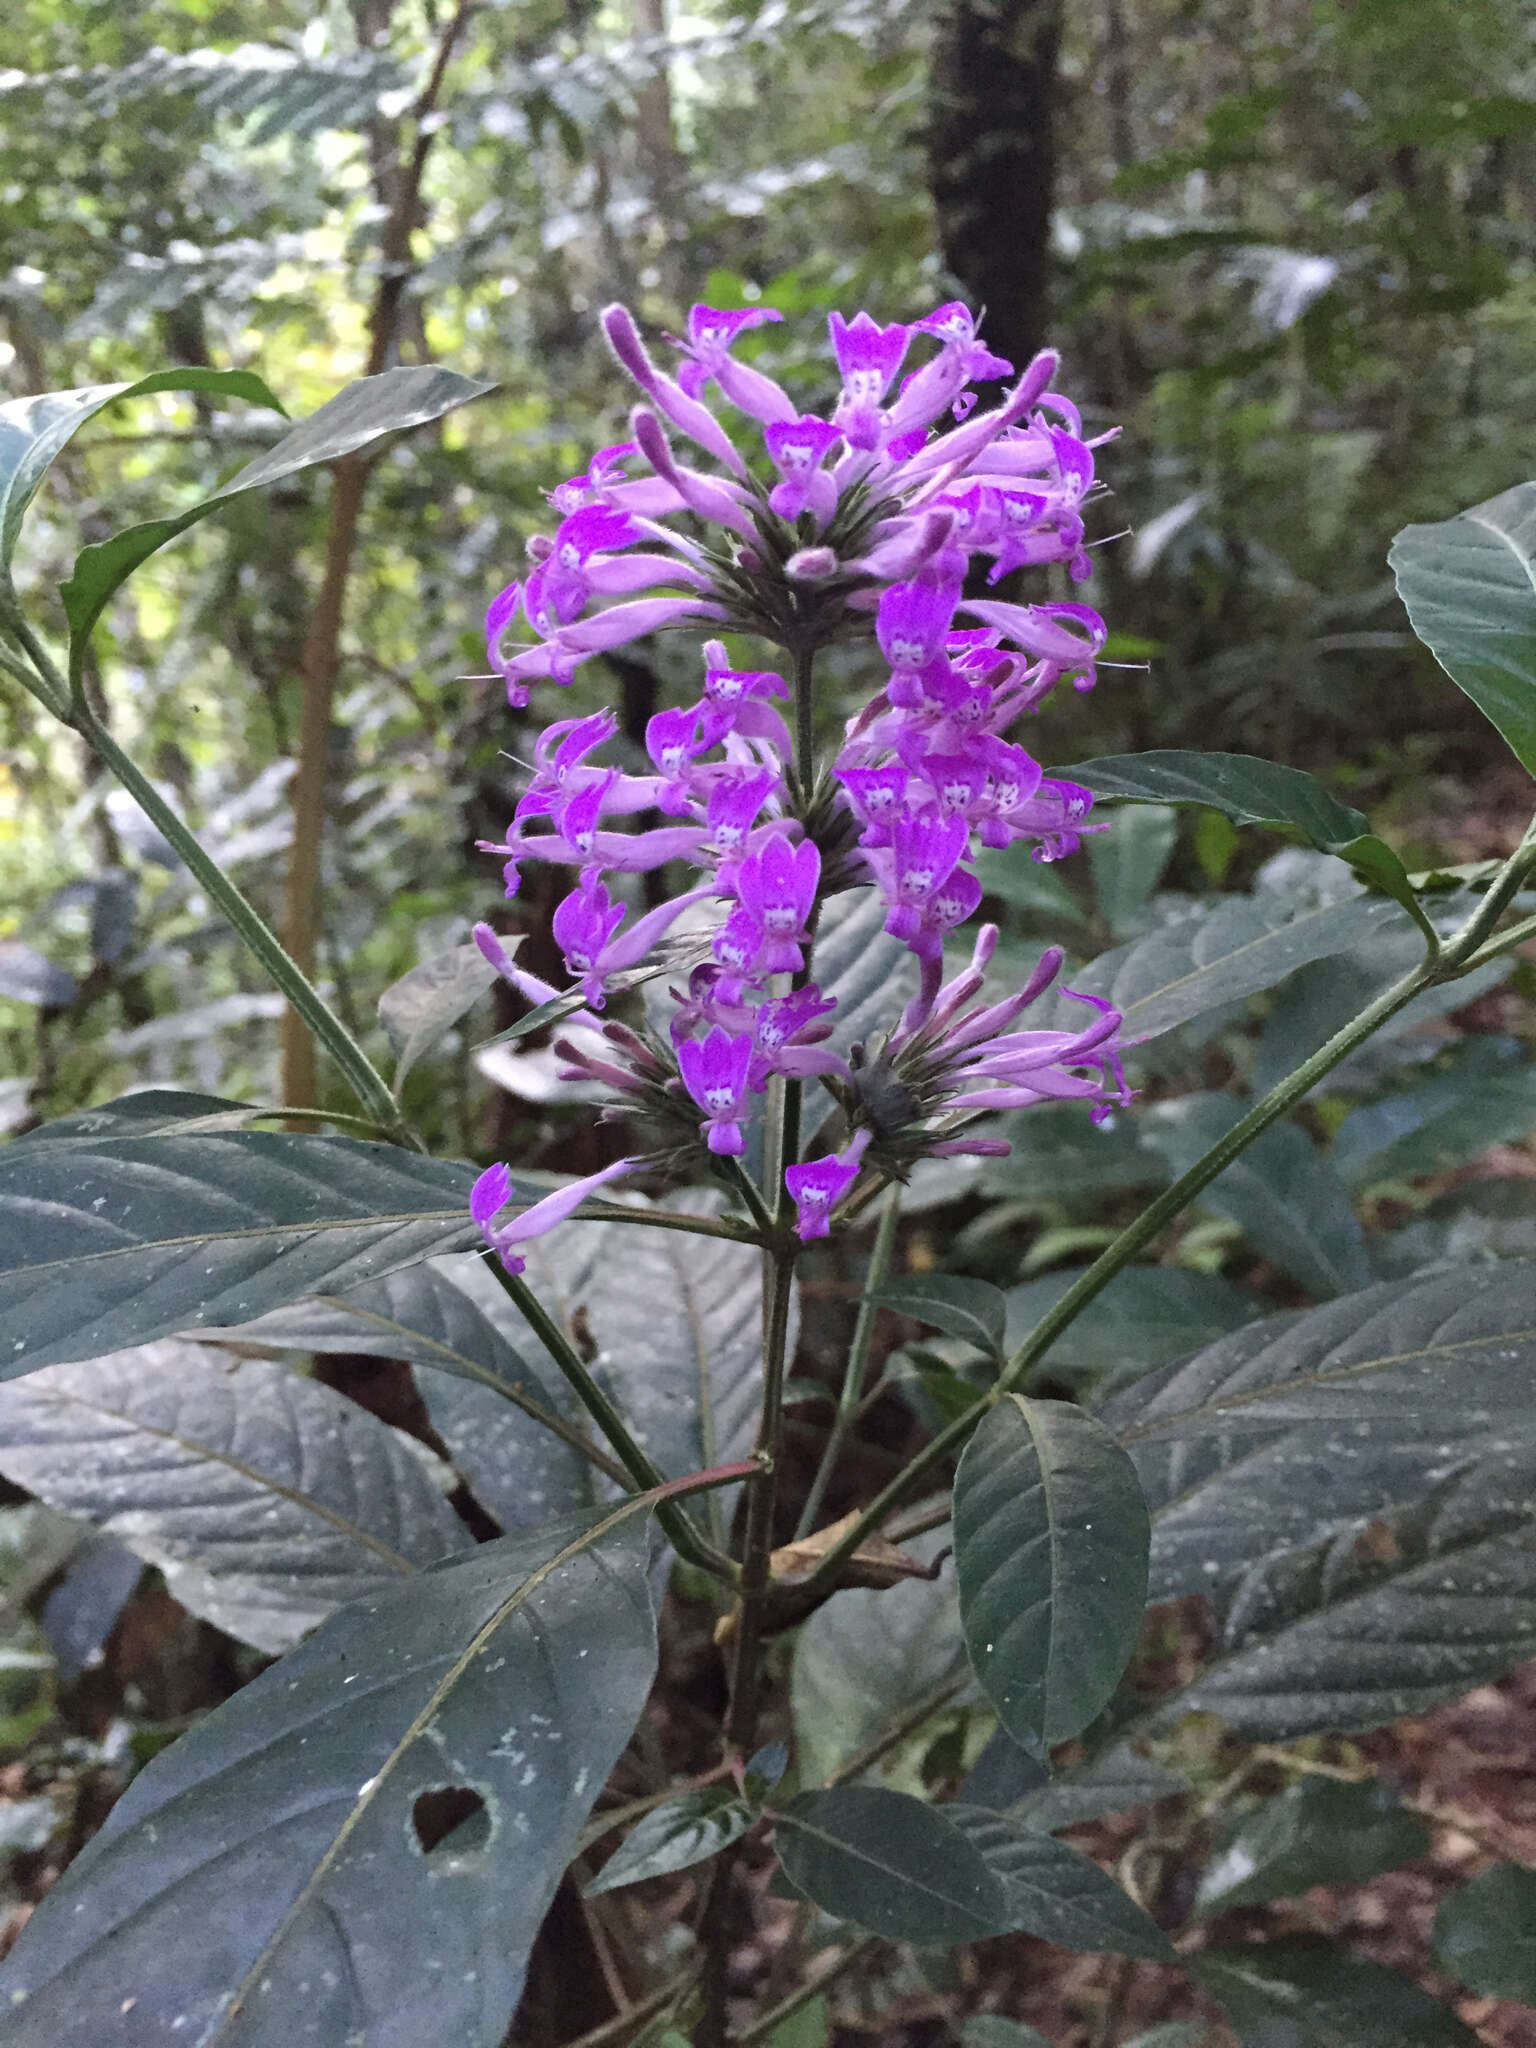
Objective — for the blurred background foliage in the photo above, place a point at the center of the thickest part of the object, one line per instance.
(1285, 243)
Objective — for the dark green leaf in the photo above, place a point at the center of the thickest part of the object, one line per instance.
(1115, 1781)
(1485, 1094)
(1485, 1933)
(677, 1325)
(107, 1245)
(1370, 1624)
(1469, 585)
(1146, 1317)
(267, 1500)
(889, 1863)
(1291, 1204)
(1056, 1893)
(1302, 1424)
(277, 1875)
(151, 1113)
(1455, 1342)
(1250, 791)
(1051, 1553)
(1221, 952)
(686, 1830)
(1308, 1994)
(992, 2030)
(422, 1005)
(1246, 789)
(867, 1656)
(365, 412)
(1317, 1831)
(1058, 1151)
(1015, 877)
(972, 1309)
(33, 431)
(1128, 863)
(499, 1419)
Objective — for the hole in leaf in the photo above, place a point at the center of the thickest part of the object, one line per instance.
(451, 1819)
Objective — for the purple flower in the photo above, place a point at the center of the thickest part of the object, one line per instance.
(869, 357)
(493, 1190)
(711, 334)
(913, 620)
(715, 1071)
(820, 1184)
(585, 924)
(798, 448)
(777, 887)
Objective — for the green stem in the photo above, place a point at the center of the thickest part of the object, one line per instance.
(805, 720)
(1459, 950)
(681, 1533)
(1505, 942)
(813, 1987)
(757, 1540)
(43, 679)
(367, 1084)
(751, 1194)
(1133, 1239)
(858, 1360)
(666, 1219)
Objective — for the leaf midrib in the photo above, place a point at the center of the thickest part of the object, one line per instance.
(1237, 1403)
(395, 1559)
(434, 1701)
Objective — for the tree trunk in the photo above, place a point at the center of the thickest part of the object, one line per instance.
(992, 159)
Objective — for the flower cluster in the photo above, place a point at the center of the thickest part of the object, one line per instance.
(864, 523)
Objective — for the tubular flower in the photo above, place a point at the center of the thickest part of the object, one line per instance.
(860, 521)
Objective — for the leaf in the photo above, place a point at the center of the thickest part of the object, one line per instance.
(1303, 1424)
(267, 1500)
(1485, 1933)
(1446, 1343)
(1015, 877)
(1469, 586)
(1115, 1781)
(34, 431)
(1484, 1094)
(1424, 1602)
(1309, 1994)
(108, 1245)
(416, 1010)
(150, 1113)
(1173, 2034)
(676, 1322)
(1229, 948)
(890, 1863)
(972, 1309)
(866, 1657)
(1292, 1206)
(277, 1875)
(365, 412)
(1243, 787)
(1317, 1831)
(684, 1831)
(27, 976)
(871, 976)
(1060, 1152)
(506, 1430)
(1051, 1554)
(1128, 863)
(1146, 1317)
(1056, 1893)
(992, 2030)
